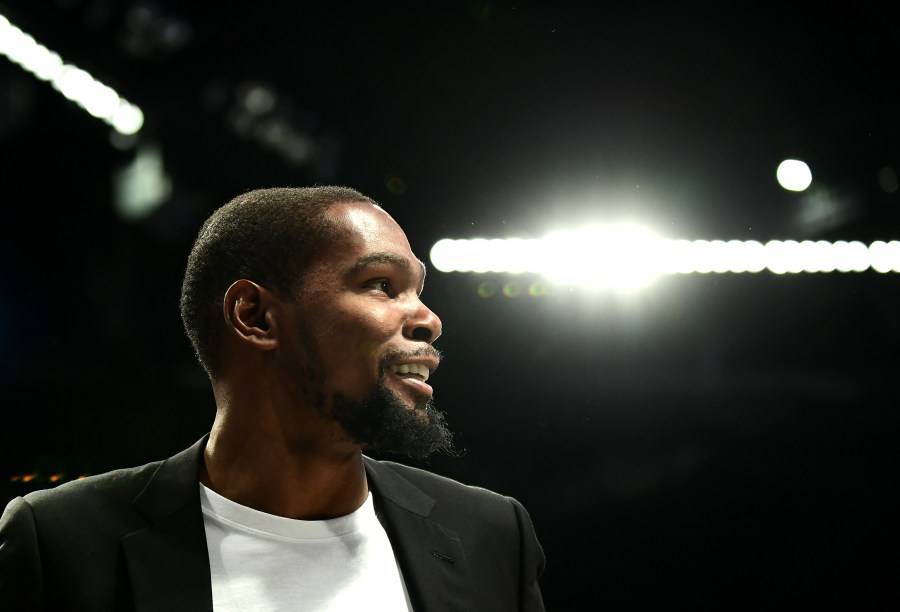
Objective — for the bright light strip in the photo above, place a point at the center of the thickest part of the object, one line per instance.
(98, 99)
(628, 257)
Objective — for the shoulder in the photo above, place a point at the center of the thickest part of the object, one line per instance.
(431, 482)
(98, 497)
(452, 498)
(95, 501)
(123, 483)
(76, 523)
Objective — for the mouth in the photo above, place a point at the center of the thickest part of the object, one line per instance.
(411, 369)
(412, 372)
(416, 371)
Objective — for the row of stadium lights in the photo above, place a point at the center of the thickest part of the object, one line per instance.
(77, 85)
(517, 256)
(628, 257)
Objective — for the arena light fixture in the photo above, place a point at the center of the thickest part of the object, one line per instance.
(628, 257)
(77, 85)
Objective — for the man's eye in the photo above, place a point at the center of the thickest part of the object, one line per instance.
(381, 284)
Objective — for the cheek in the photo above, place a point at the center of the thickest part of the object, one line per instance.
(367, 348)
(366, 340)
(373, 345)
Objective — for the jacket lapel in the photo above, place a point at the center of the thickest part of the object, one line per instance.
(430, 555)
(167, 561)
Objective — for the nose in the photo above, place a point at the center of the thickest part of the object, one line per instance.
(423, 324)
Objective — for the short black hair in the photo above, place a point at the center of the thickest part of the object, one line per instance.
(269, 236)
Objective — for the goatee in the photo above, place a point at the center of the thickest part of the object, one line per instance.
(384, 424)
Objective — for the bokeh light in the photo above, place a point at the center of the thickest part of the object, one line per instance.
(512, 289)
(793, 175)
(486, 289)
(538, 289)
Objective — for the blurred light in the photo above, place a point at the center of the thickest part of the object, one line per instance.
(396, 185)
(851, 256)
(538, 289)
(746, 256)
(127, 119)
(783, 256)
(258, 99)
(627, 257)
(142, 186)
(887, 180)
(298, 148)
(102, 101)
(793, 175)
(486, 289)
(512, 289)
(75, 84)
(885, 256)
(259, 112)
(148, 31)
(273, 133)
(36, 478)
(445, 255)
(620, 256)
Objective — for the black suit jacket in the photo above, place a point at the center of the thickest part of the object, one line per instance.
(134, 539)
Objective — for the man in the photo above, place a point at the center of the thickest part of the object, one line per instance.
(303, 307)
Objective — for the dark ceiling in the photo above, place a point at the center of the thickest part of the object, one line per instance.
(714, 442)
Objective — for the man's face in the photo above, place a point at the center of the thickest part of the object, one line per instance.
(367, 336)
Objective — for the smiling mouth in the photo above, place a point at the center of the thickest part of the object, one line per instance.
(413, 370)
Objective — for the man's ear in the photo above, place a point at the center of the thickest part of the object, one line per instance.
(251, 314)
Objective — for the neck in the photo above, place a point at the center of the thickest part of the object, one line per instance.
(269, 469)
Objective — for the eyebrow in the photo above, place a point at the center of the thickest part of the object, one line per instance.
(387, 258)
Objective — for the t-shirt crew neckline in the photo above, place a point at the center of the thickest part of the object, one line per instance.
(258, 522)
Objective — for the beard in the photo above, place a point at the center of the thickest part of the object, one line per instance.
(381, 422)
(384, 424)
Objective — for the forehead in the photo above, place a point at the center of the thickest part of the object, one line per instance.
(367, 222)
(368, 233)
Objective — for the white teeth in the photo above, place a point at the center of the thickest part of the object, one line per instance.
(412, 368)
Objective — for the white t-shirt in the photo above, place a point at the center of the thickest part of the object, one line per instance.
(260, 561)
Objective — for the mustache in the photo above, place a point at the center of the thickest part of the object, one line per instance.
(397, 355)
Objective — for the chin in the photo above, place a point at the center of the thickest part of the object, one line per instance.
(386, 423)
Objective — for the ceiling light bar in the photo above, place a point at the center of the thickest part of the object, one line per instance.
(626, 256)
(77, 85)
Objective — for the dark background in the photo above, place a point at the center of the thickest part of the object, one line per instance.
(712, 442)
